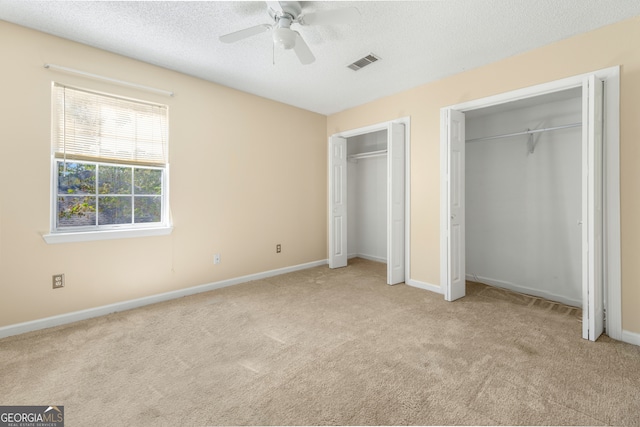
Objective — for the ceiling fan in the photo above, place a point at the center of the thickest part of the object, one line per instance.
(286, 13)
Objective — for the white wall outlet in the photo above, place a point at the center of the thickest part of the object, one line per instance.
(58, 281)
(216, 259)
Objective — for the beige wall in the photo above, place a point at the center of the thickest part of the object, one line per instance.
(246, 173)
(609, 46)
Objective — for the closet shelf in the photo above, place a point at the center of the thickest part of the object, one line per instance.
(355, 157)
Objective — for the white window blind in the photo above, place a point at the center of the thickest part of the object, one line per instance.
(98, 127)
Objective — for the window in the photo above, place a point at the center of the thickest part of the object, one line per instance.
(110, 164)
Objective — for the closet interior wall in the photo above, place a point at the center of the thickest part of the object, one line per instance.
(523, 198)
(367, 197)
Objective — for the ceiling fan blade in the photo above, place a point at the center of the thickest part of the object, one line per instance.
(302, 50)
(331, 17)
(275, 6)
(243, 34)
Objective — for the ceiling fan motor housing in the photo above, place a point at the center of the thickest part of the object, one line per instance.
(291, 8)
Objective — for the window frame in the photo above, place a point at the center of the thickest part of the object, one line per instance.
(109, 231)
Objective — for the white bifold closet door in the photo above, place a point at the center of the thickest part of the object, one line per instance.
(592, 222)
(456, 222)
(395, 203)
(337, 202)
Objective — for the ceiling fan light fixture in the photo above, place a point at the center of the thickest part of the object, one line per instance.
(284, 37)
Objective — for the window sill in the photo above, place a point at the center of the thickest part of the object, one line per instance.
(89, 236)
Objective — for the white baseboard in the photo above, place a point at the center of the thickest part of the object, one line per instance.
(630, 337)
(373, 258)
(424, 285)
(62, 319)
(525, 290)
(369, 257)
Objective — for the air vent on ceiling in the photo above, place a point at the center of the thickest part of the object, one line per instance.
(363, 62)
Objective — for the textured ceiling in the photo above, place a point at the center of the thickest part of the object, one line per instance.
(418, 41)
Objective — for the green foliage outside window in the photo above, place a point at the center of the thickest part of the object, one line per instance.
(102, 194)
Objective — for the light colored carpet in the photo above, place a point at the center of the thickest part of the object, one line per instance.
(325, 346)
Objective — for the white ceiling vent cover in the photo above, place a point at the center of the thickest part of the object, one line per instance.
(363, 62)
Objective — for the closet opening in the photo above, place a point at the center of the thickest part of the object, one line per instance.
(523, 196)
(367, 187)
(367, 196)
(532, 216)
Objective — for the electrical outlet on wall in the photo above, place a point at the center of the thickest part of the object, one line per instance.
(58, 281)
(278, 248)
(216, 259)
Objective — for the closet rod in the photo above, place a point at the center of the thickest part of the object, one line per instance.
(526, 132)
(367, 155)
